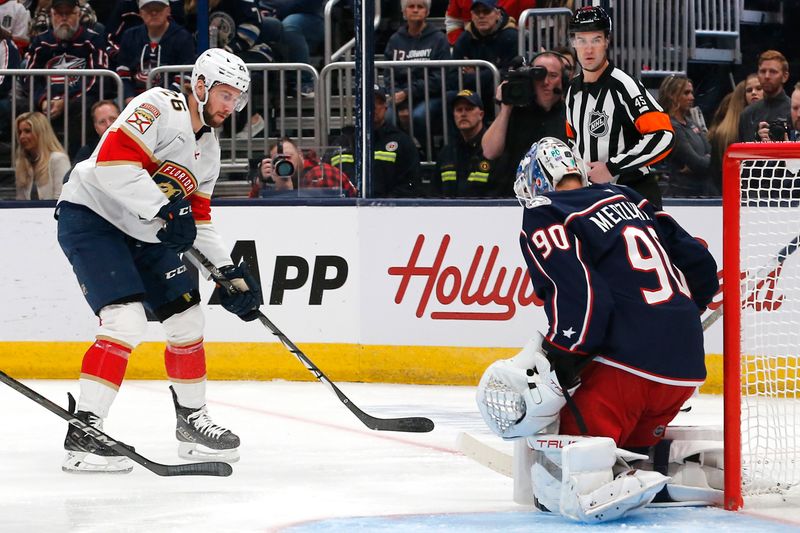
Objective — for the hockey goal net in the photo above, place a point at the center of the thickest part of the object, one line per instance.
(761, 312)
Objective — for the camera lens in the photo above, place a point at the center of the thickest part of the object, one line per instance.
(282, 166)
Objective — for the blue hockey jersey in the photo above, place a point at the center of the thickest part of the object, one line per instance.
(620, 282)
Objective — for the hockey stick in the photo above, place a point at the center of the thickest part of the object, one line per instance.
(414, 424)
(99, 439)
(486, 455)
(763, 273)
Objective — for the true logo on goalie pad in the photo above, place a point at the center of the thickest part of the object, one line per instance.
(174, 180)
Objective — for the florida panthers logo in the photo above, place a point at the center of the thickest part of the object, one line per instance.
(598, 124)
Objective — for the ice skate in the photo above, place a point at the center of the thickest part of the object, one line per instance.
(200, 439)
(85, 455)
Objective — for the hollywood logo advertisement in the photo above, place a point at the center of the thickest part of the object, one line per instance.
(470, 288)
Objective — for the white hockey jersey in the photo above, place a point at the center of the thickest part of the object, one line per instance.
(149, 157)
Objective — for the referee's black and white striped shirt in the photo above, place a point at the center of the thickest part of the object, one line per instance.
(615, 120)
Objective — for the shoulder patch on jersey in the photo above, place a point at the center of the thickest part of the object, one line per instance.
(598, 123)
(174, 180)
(141, 119)
(150, 107)
(392, 146)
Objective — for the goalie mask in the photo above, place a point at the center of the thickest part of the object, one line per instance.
(214, 66)
(542, 168)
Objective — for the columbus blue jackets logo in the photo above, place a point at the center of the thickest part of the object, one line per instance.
(66, 61)
(598, 124)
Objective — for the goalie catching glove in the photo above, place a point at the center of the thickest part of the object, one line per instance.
(521, 396)
(245, 297)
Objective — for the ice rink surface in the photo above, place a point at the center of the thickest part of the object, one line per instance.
(308, 465)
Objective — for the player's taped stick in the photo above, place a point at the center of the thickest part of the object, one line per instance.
(413, 424)
(761, 275)
(482, 453)
(102, 439)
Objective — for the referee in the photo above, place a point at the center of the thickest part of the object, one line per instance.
(617, 127)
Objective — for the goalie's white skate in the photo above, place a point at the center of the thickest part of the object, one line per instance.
(85, 455)
(200, 439)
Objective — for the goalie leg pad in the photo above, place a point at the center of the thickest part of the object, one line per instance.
(590, 493)
(519, 397)
(696, 468)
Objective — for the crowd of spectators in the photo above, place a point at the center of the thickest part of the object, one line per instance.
(473, 129)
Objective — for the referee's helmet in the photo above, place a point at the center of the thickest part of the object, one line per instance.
(591, 18)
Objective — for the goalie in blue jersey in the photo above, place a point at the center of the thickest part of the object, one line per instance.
(623, 287)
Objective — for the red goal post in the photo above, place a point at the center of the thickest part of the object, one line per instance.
(761, 319)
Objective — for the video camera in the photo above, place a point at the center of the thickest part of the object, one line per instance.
(519, 91)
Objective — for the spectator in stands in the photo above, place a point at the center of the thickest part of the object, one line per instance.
(518, 126)
(9, 59)
(724, 129)
(104, 113)
(395, 170)
(418, 41)
(459, 13)
(125, 15)
(15, 23)
(690, 158)
(491, 35)
(41, 161)
(42, 19)
(66, 45)
(753, 90)
(462, 170)
(773, 72)
(794, 134)
(288, 168)
(159, 41)
(299, 26)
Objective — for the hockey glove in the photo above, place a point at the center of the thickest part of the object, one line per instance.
(179, 230)
(245, 299)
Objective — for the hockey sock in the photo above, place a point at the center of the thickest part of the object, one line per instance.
(102, 372)
(186, 369)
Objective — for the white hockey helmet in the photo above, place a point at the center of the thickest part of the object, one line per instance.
(216, 65)
(542, 168)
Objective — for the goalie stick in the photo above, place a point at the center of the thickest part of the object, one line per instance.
(762, 273)
(100, 438)
(414, 424)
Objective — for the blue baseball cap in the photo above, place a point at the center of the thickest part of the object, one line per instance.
(471, 97)
(491, 4)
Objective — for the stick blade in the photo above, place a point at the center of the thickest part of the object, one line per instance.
(485, 455)
(412, 424)
(211, 468)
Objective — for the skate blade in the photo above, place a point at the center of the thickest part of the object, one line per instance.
(197, 452)
(89, 463)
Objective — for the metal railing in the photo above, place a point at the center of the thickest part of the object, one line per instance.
(543, 29)
(338, 93)
(344, 52)
(22, 98)
(285, 112)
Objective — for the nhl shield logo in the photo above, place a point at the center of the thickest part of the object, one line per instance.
(598, 124)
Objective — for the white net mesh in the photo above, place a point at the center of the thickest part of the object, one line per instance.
(502, 404)
(770, 327)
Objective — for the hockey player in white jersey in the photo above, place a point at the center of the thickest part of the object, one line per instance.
(124, 216)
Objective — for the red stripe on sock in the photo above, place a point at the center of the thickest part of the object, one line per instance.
(185, 362)
(106, 360)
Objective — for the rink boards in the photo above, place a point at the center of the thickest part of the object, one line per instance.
(416, 294)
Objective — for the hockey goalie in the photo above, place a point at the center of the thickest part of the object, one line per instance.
(590, 400)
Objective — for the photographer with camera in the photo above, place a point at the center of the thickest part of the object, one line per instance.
(288, 171)
(531, 107)
(619, 130)
(772, 111)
